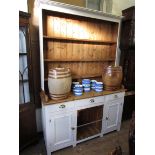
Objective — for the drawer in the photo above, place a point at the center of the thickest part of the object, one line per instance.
(61, 107)
(114, 96)
(89, 101)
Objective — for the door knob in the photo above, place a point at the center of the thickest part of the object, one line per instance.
(116, 96)
(73, 128)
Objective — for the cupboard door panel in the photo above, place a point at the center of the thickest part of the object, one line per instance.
(62, 122)
(112, 116)
(61, 130)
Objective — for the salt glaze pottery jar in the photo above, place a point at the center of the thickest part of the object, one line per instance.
(112, 77)
(59, 83)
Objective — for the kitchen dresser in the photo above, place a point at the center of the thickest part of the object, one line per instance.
(85, 41)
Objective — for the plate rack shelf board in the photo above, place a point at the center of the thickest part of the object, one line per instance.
(82, 40)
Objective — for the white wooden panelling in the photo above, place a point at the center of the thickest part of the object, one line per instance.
(89, 102)
(112, 115)
(61, 108)
(61, 130)
(114, 96)
(58, 123)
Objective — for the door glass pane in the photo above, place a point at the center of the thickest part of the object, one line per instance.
(24, 94)
(23, 67)
(22, 40)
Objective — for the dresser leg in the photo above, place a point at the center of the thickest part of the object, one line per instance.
(118, 128)
(74, 144)
(48, 152)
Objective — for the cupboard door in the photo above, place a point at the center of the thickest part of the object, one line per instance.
(113, 115)
(62, 130)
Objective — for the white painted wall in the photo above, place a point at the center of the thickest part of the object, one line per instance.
(119, 5)
(23, 5)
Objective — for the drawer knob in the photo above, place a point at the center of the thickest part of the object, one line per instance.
(116, 96)
(62, 106)
(92, 101)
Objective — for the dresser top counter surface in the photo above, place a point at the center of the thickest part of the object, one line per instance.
(72, 97)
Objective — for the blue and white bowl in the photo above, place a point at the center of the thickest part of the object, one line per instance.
(78, 90)
(86, 84)
(75, 83)
(87, 89)
(78, 93)
(99, 86)
(93, 83)
(86, 81)
(98, 90)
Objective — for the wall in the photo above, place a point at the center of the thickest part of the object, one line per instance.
(73, 2)
(119, 5)
(23, 5)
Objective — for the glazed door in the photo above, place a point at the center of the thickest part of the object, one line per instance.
(113, 115)
(27, 117)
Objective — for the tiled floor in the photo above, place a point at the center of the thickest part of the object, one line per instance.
(96, 146)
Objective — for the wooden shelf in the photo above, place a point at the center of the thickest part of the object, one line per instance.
(82, 76)
(86, 76)
(79, 40)
(86, 124)
(78, 60)
(89, 130)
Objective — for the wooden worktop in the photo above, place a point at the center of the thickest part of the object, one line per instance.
(72, 97)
